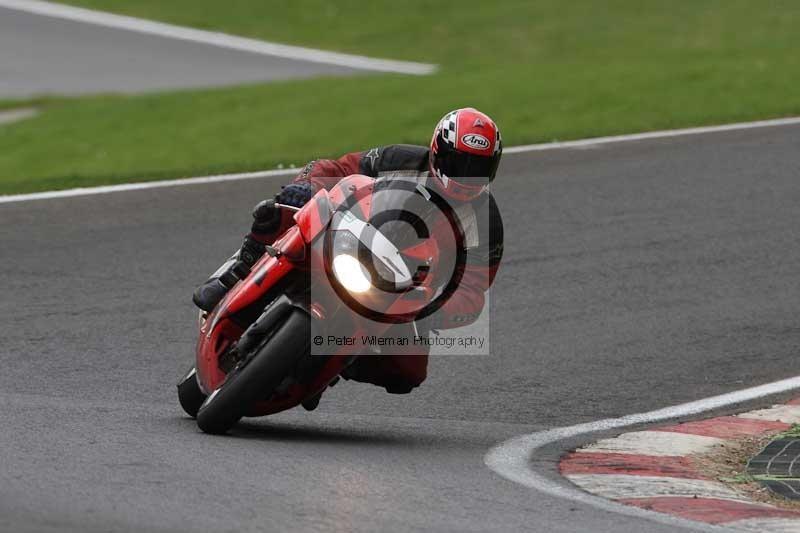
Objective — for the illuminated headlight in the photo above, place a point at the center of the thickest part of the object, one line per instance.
(351, 273)
(358, 266)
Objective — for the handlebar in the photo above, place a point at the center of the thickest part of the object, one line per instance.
(289, 207)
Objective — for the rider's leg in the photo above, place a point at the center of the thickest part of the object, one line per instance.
(267, 223)
(209, 294)
(399, 370)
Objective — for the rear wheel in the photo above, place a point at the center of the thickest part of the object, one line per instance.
(189, 394)
(257, 376)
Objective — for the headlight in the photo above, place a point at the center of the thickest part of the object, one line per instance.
(363, 258)
(351, 273)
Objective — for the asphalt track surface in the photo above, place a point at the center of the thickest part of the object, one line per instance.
(40, 55)
(636, 276)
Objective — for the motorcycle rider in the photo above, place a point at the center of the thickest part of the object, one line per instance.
(460, 161)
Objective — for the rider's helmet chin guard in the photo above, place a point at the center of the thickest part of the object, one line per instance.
(465, 152)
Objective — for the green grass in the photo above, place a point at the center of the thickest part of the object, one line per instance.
(791, 433)
(544, 69)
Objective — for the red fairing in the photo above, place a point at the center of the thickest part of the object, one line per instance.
(354, 189)
(211, 344)
(467, 302)
(313, 220)
(219, 331)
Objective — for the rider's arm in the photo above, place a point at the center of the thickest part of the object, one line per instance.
(321, 174)
(467, 302)
(465, 305)
(325, 173)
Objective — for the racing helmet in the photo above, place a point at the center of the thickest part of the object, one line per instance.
(465, 152)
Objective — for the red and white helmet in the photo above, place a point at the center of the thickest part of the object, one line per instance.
(465, 152)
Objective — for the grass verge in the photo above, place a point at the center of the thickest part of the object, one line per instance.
(728, 464)
(545, 70)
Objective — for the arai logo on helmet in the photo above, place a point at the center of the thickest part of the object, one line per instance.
(475, 141)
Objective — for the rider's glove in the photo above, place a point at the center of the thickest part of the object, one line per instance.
(250, 252)
(296, 194)
(266, 217)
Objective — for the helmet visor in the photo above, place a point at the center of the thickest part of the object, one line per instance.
(466, 168)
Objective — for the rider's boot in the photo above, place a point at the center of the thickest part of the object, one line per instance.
(312, 403)
(210, 293)
(266, 222)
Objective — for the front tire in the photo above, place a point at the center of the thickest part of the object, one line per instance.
(257, 378)
(189, 394)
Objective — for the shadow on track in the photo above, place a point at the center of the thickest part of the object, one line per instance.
(298, 432)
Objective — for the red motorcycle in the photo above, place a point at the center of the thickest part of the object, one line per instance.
(333, 273)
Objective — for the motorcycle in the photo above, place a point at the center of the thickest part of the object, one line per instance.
(334, 273)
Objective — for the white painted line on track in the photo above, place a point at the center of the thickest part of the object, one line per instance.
(85, 191)
(223, 40)
(663, 134)
(511, 459)
(88, 191)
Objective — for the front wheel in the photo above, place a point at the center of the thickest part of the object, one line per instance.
(257, 377)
